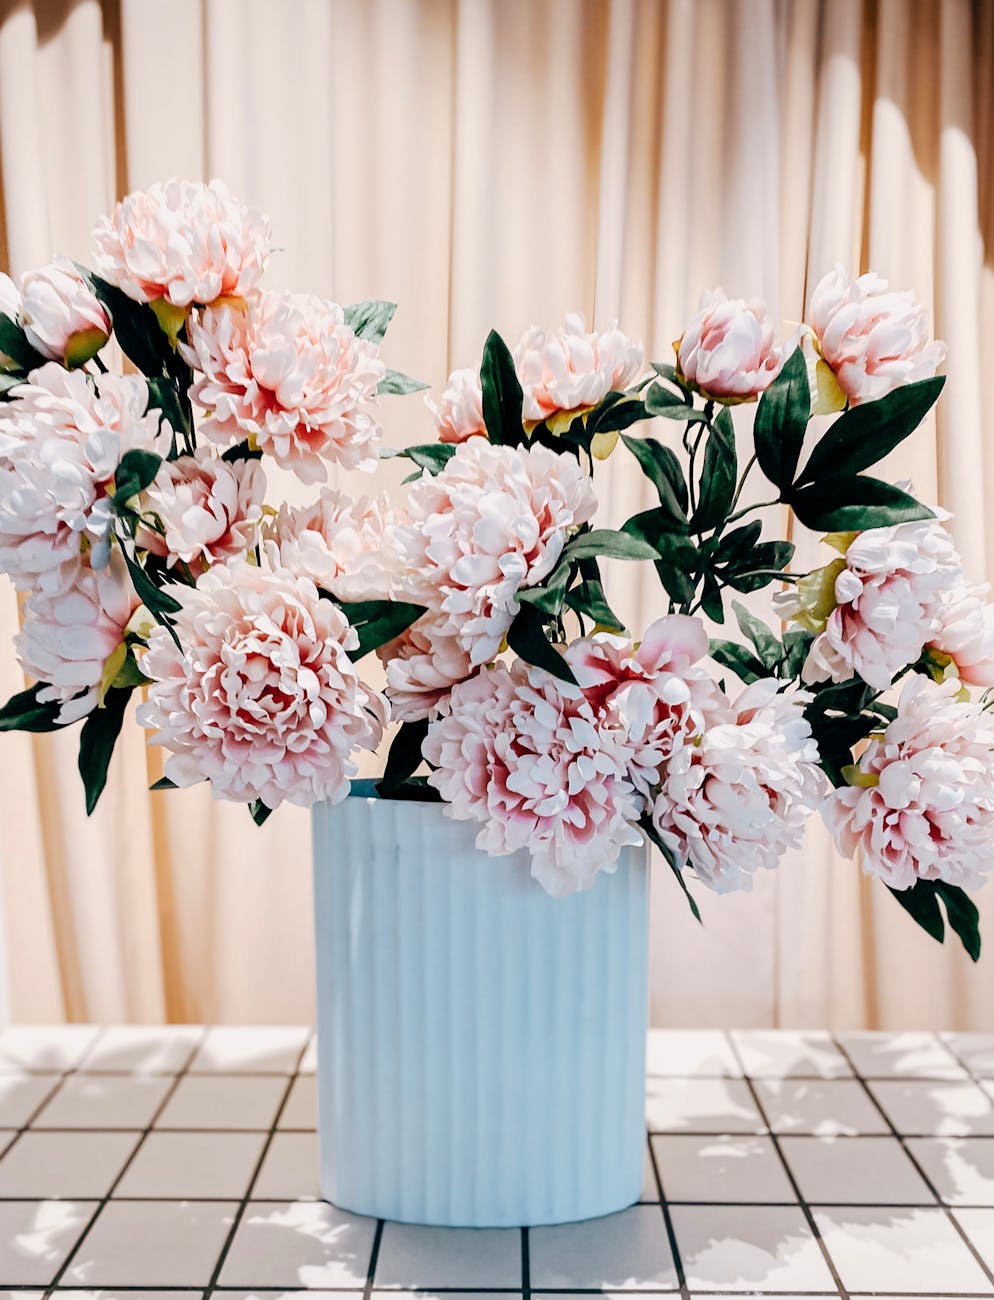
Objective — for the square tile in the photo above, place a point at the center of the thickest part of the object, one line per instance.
(630, 1249)
(191, 1165)
(291, 1169)
(109, 1293)
(143, 1049)
(701, 1106)
(104, 1101)
(22, 1094)
(36, 1237)
(310, 1244)
(301, 1109)
(854, 1171)
(896, 1056)
(727, 1169)
(76, 1166)
(224, 1101)
(152, 1243)
(979, 1228)
(899, 1249)
(749, 1248)
(976, 1051)
(934, 1109)
(45, 1047)
(449, 1257)
(782, 1054)
(235, 1049)
(960, 1169)
(822, 1107)
(691, 1052)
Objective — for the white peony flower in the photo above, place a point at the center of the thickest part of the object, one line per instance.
(61, 316)
(288, 374)
(459, 414)
(422, 666)
(965, 634)
(263, 700)
(573, 370)
(924, 806)
(734, 799)
(61, 442)
(728, 351)
(341, 544)
(494, 520)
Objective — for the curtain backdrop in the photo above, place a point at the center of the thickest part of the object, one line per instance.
(494, 163)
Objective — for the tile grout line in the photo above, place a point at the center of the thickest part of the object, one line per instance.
(254, 1178)
(101, 1204)
(664, 1206)
(804, 1207)
(374, 1256)
(939, 1202)
(526, 1265)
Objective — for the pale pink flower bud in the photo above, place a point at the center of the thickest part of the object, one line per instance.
(728, 351)
(60, 314)
(459, 413)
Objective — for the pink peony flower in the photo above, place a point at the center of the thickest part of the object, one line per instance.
(494, 520)
(459, 415)
(422, 666)
(183, 241)
(873, 339)
(734, 799)
(575, 369)
(924, 806)
(263, 700)
(524, 754)
(210, 511)
(61, 316)
(728, 351)
(288, 374)
(965, 634)
(888, 595)
(342, 545)
(61, 442)
(656, 695)
(67, 638)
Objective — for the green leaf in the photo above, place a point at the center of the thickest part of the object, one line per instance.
(416, 790)
(662, 468)
(527, 638)
(711, 601)
(378, 621)
(796, 645)
(96, 743)
(660, 401)
(394, 383)
(23, 712)
(550, 597)
(618, 411)
(719, 475)
(432, 456)
(734, 546)
(260, 812)
(164, 783)
(164, 396)
(136, 471)
(404, 757)
(654, 837)
(677, 565)
(158, 602)
(758, 567)
(14, 344)
(502, 397)
(768, 647)
(609, 544)
(781, 421)
(962, 915)
(845, 504)
(589, 599)
(369, 319)
(921, 903)
(241, 451)
(136, 327)
(867, 433)
(742, 662)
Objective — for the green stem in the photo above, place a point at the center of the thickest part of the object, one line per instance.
(760, 505)
(742, 481)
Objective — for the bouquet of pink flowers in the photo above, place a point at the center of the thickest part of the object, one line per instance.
(133, 515)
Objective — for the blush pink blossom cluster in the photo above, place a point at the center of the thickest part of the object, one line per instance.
(286, 372)
(920, 805)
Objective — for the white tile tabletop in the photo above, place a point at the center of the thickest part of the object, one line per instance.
(176, 1163)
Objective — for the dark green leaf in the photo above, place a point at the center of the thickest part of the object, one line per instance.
(502, 397)
(962, 915)
(432, 456)
(768, 647)
(164, 783)
(527, 638)
(660, 401)
(164, 396)
(96, 743)
(653, 835)
(618, 411)
(14, 344)
(867, 433)
(136, 327)
(404, 757)
(394, 383)
(742, 662)
(851, 504)
(796, 645)
(241, 451)
(136, 471)
(781, 420)
(711, 601)
(921, 903)
(23, 712)
(550, 597)
(677, 565)
(662, 468)
(158, 602)
(606, 543)
(260, 812)
(369, 319)
(719, 475)
(414, 790)
(759, 567)
(589, 599)
(734, 546)
(378, 621)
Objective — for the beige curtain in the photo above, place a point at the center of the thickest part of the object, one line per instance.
(498, 162)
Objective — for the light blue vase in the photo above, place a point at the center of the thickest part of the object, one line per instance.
(481, 1046)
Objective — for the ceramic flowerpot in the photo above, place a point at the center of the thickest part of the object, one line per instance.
(481, 1046)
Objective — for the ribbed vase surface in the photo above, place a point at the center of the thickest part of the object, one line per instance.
(481, 1046)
